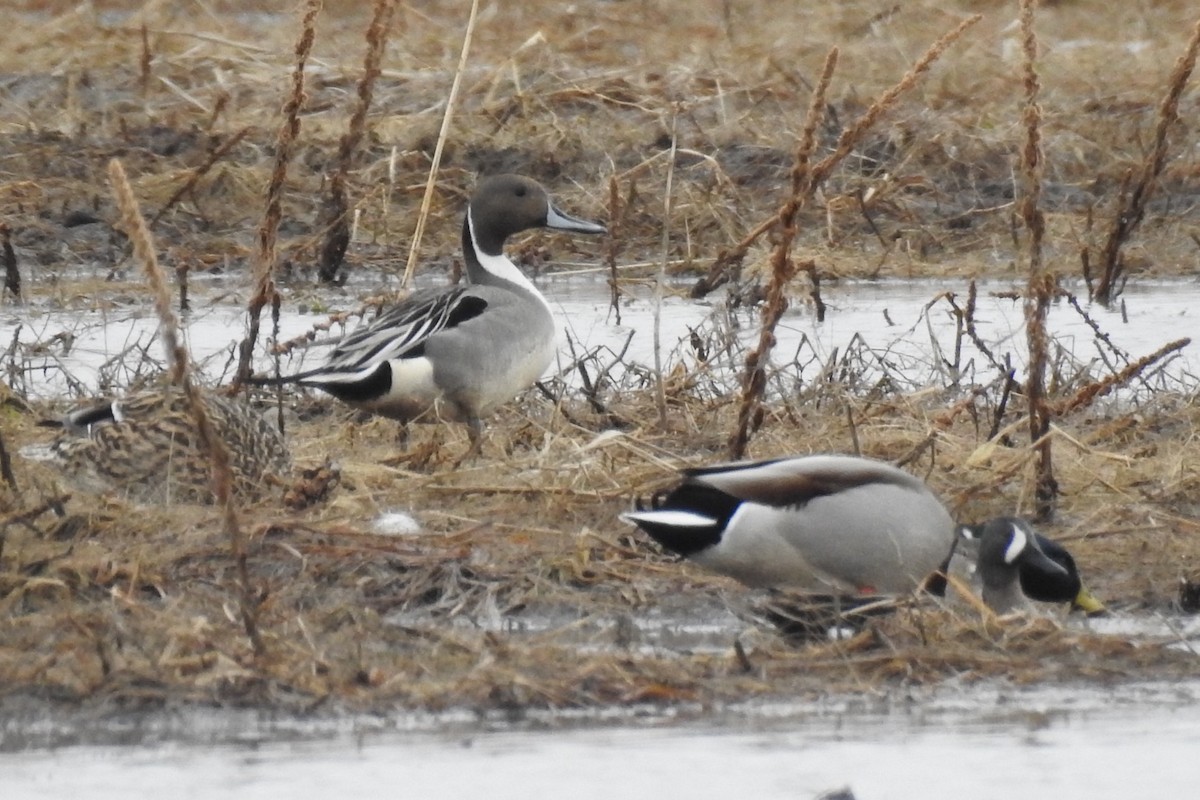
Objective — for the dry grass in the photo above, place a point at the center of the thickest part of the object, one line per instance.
(520, 588)
(1135, 194)
(586, 98)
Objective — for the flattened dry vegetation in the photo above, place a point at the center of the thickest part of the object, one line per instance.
(521, 589)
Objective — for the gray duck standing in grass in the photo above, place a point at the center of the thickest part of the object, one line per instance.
(146, 447)
(833, 524)
(455, 353)
(1014, 565)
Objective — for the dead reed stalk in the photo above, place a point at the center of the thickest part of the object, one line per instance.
(660, 392)
(754, 377)
(1041, 286)
(334, 218)
(180, 372)
(12, 275)
(268, 229)
(1131, 204)
(610, 254)
(443, 134)
(181, 280)
(728, 262)
(145, 61)
(6, 470)
(805, 180)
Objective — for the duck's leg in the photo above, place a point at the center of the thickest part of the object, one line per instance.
(475, 433)
(402, 436)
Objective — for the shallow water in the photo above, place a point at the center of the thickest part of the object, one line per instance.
(904, 328)
(958, 739)
(911, 319)
(979, 742)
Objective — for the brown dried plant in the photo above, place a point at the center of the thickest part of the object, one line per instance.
(1097, 389)
(660, 393)
(200, 171)
(613, 246)
(335, 219)
(268, 229)
(6, 471)
(444, 133)
(851, 137)
(180, 374)
(1040, 288)
(12, 273)
(145, 61)
(754, 377)
(805, 180)
(1131, 202)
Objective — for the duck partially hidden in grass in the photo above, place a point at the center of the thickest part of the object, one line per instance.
(146, 448)
(1015, 565)
(827, 524)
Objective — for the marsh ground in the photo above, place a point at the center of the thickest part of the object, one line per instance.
(522, 590)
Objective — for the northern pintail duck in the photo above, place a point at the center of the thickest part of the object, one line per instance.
(823, 524)
(146, 447)
(1014, 564)
(457, 351)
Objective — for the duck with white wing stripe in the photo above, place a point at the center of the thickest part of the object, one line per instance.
(824, 524)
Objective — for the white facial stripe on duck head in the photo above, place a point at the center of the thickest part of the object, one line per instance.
(1009, 550)
(996, 560)
(1017, 543)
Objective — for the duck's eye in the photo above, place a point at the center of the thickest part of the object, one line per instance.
(520, 191)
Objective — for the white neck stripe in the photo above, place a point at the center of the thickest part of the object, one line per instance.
(499, 266)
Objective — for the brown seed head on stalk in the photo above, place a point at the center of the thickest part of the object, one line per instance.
(884, 103)
(177, 360)
(1135, 194)
(335, 219)
(805, 180)
(1040, 288)
(754, 378)
(268, 229)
